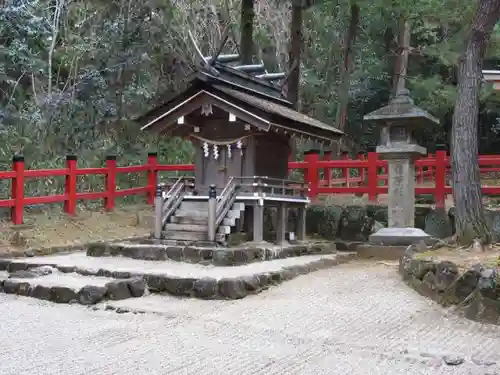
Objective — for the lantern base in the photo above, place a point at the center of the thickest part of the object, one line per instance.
(400, 237)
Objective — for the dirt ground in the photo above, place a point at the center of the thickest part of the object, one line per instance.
(51, 230)
(466, 257)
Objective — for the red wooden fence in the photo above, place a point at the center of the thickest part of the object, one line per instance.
(370, 178)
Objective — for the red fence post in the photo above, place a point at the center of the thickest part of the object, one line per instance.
(70, 186)
(372, 176)
(440, 176)
(311, 157)
(328, 171)
(17, 190)
(109, 201)
(419, 174)
(152, 163)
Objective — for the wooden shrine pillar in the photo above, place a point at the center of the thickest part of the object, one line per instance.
(281, 224)
(258, 221)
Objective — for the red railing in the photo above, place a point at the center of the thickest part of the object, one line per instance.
(364, 175)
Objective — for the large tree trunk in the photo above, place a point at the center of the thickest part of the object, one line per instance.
(293, 79)
(294, 55)
(246, 42)
(345, 73)
(470, 215)
(345, 79)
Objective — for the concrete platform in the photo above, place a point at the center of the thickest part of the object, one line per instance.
(185, 279)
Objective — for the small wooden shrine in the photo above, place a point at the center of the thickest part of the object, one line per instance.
(238, 121)
(242, 128)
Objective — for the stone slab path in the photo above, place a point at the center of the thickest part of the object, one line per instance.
(70, 280)
(355, 318)
(170, 267)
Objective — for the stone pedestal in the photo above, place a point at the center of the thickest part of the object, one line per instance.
(399, 237)
(401, 229)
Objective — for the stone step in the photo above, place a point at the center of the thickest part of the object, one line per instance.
(208, 253)
(191, 213)
(224, 229)
(185, 236)
(240, 206)
(198, 215)
(51, 284)
(185, 279)
(200, 220)
(234, 214)
(229, 221)
(174, 227)
(189, 205)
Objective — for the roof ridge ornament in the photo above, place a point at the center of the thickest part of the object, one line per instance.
(208, 62)
(205, 63)
(402, 97)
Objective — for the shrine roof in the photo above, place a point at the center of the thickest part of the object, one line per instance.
(240, 90)
(278, 109)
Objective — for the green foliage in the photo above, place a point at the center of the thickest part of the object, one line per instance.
(74, 73)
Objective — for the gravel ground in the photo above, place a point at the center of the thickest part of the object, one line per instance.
(356, 318)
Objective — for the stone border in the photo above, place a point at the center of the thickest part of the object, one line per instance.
(217, 256)
(61, 249)
(475, 292)
(203, 288)
(87, 295)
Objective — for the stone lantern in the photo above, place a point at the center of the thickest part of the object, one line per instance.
(398, 122)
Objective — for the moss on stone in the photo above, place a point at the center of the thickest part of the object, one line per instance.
(426, 255)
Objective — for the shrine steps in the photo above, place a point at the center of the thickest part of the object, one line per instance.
(184, 235)
(186, 227)
(190, 222)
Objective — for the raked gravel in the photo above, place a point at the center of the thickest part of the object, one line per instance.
(170, 267)
(352, 319)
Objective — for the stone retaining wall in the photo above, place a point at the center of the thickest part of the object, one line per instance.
(30, 283)
(474, 291)
(205, 288)
(208, 254)
(357, 222)
(21, 253)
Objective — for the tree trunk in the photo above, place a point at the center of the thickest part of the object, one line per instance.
(293, 82)
(294, 55)
(470, 215)
(345, 73)
(246, 42)
(345, 78)
(401, 56)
